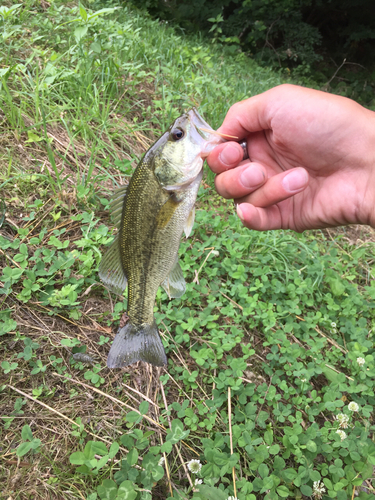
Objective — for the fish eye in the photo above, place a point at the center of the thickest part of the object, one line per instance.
(177, 134)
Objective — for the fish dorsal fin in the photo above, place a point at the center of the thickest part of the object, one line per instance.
(174, 284)
(116, 203)
(110, 269)
(188, 227)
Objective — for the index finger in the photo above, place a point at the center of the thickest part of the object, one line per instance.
(225, 157)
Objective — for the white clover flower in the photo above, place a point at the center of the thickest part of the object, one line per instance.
(353, 406)
(333, 324)
(215, 253)
(342, 434)
(318, 489)
(161, 462)
(197, 482)
(303, 380)
(343, 420)
(232, 498)
(361, 361)
(194, 466)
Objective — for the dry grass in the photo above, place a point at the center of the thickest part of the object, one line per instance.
(103, 413)
(49, 475)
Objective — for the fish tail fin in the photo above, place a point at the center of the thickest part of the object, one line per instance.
(137, 343)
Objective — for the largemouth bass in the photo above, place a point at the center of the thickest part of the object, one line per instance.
(152, 212)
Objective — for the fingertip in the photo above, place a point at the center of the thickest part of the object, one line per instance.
(239, 182)
(248, 214)
(240, 213)
(225, 156)
(231, 154)
(295, 180)
(253, 176)
(278, 188)
(259, 219)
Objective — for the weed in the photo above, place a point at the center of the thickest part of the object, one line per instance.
(28, 442)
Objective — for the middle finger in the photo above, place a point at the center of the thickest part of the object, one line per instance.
(240, 181)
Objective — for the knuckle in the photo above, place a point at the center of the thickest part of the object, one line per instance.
(286, 87)
(234, 109)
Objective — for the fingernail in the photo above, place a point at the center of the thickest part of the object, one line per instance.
(239, 212)
(252, 177)
(295, 180)
(230, 155)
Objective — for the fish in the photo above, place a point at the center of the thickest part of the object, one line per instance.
(151, 213)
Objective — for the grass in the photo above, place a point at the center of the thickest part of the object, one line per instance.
(271, 342)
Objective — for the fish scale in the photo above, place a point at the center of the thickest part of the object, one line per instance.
(136, 236)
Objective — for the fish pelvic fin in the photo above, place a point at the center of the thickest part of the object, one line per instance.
(110, 269)
(137, 343)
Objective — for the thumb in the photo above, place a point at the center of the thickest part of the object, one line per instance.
(256, 113)
(251, 115)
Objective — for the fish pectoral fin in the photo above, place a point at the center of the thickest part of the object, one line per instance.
(188, 227)
(167, 210)
(110, 269)
(174, 284)
(116, 204)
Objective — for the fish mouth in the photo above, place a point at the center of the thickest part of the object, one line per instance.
(202, 138)
(199, 123)
(209, 140)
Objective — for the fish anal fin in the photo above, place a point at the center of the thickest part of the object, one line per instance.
(174, 284)
(110, 269)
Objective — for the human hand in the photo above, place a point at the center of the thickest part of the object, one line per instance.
(311, 160)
